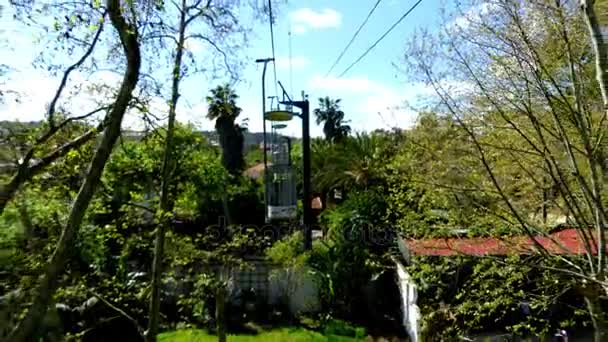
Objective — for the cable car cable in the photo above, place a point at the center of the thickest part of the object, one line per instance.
(381, 38)
(290, 64)
(353, 38)
(274, 62)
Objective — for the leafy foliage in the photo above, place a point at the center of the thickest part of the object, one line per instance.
(459, 296)
(353, 254)
(517, 145)
(113, 250)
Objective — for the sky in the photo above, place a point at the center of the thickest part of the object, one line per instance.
(374, 93)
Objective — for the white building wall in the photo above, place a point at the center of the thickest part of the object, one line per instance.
(298, 286)
(411, 312)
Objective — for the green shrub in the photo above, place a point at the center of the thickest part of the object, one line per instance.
(288, 252)
(349, 258)
(463, 295)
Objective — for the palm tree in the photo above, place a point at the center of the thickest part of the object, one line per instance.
(357, 163)
(329, 113)
(354, 163)
(223, 109)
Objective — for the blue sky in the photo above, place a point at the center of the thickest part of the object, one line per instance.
(320, 30)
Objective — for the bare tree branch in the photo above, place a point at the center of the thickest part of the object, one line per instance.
(600, 48)
(218, 49)
(140, 330)
(26, 170)
(68, 71)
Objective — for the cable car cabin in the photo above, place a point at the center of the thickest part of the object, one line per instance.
(280, 186)
(280, 179)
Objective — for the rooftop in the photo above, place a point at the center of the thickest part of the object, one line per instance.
(564, 242)
(255, 171)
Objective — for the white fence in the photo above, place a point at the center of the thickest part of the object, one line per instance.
(294, 287)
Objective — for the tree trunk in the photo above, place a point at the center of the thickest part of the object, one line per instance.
(28, 227)
(25, 329)
(165, 203)
(600, 324)
(220, 312)
(226, 209)
(600, 48)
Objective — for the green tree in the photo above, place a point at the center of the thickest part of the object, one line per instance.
(331, 116)
(356, 163)
(436, 186)
(454, 295)
(519, 83)
(352, 253)
(36, 157)
(25, 330)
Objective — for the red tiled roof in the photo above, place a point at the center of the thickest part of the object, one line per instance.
(255, 171)
(567, 241)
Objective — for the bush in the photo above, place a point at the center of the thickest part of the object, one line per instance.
(346, 262)
(290, 256)
(464, 295)
(288, 252)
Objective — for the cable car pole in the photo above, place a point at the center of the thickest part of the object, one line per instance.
(306, 173)
(265, 61)
(304, 105)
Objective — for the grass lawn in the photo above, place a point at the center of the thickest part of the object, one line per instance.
(279, 335)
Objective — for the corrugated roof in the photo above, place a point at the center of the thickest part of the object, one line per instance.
(255, 171)
(564, 242)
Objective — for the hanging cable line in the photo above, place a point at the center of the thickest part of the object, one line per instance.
(290, 65)
(381, 38)
(274, 62)
(353, 38)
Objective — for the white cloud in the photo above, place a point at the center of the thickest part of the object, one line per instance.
(194, 45)
(35, 90)
(297, 62)
(33, 95)
(369, 104)
(349, 85)
(382, 102)
(298, 29)
(386, 110)
(306, 18)
(472, 15)
(195, 114)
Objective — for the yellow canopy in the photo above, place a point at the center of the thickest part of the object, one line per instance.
(279, 115)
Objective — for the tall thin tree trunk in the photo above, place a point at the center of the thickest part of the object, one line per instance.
(165, 203)
(545, 198)
(220, 312)
(597, 30)
(25, 329)
(600, 324)
(28, 226)
(600, 48)
(226, 209)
